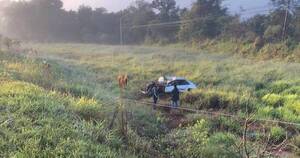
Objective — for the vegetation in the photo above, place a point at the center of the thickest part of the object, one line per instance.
(63, 100)
(153, 22)
(228, 84)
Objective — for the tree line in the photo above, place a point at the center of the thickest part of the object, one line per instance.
(159, 21)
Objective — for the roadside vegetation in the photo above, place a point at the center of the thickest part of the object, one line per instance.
(62, 99)
(267, 33)
(267, 89)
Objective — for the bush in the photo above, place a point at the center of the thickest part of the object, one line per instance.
(273, 100)
(146, 124)
(211, 99)
(273, 33)
(194, 138)
(221, 144)
(197, 143)
(88, 108)
(279, 87)
(269, 112)
(296, 143)
(225, 124)
(75, 90)
(277, 134)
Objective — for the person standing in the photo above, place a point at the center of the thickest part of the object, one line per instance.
(175, 97)
(154, 91)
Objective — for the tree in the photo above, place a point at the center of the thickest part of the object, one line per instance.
(296, 24)
(284, 15)
(140, 13)
(208, 17)
(167, 12)
(273, 33)
(258, 24)
(87, 28)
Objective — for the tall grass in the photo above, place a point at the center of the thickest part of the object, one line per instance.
(84, 76)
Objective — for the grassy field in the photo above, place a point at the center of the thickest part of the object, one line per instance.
(79, 93)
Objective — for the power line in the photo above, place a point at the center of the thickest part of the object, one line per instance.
(113, 99)
(175, 23)
(216, 113)
(256, 10)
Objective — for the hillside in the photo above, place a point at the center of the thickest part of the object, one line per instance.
(60, 102)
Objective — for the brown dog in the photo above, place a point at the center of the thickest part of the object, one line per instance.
(123, 80)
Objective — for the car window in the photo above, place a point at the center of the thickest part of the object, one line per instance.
(182, 82)
(171, 83)
(178, 82)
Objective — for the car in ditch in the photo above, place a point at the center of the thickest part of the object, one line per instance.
(166, 85)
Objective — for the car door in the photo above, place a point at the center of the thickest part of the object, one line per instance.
(182, 85)
(169, 87)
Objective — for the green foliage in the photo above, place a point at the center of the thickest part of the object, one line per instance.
(211, 99)
(225, 124)
(198, 143)
(82, 96)
(195, 139)
(88, 108)
(222, 144)
(273, 100)
(279, 87)
(277, 134)
(273, 33)
(213, 17)
(39, 123)
(296, 143)
(147, 124)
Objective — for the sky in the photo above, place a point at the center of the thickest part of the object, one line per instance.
(116, 5)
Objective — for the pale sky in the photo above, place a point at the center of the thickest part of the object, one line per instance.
(116, 5)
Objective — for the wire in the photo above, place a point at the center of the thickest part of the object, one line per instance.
(215, 113)
(254, 10)
(179, 22)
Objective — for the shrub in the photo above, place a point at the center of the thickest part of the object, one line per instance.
(88, 108)
(288, 114)
(194, 138)
(268, 111)
(292, 102)
(279, 87)
(292, 90)
(277, 134)
(221, 144)
(273, 33)
(146, 124)
(296, 145)
(225, 124)
(211, 99)
(273, 100)
(75, 90)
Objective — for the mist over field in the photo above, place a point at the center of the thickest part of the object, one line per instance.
(150, 78)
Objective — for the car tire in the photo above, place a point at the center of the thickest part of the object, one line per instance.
(189, 90)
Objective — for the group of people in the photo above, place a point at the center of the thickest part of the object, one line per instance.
(155, 95)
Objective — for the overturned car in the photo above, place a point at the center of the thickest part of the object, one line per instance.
(166, 85)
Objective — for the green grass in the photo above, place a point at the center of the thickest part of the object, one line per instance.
(222, 79)
(76, 98)
(37, 123)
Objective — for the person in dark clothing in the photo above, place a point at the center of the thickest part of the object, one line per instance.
(154, 91)
(175, 97)
(149, 88)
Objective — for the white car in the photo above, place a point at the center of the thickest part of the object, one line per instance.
(183, 84)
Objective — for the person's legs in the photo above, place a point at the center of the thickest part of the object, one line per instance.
(176, 104)
(155, 102)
